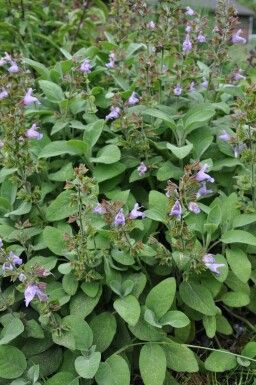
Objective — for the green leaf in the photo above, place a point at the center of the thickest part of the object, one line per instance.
(151, 319)
(70, 284)
(54, 240)
(214, 216)
(40, 68)
(175, 318)
(152, 363)
(220, 361)
(78, 335)
(52, 91)
(249, 350)
(61, 207)
(197, 116)
(48, 263)
(33, 373)
(11, 331)
(146, 332)
(103, 327)
(161, 115)
(24, 208)
(93, 132)
(158, 204)
(90, 288)
(64, 174)
(197, 297)
(107, 155)
(81, 146)
(209, 323)
(58, 147)
(244, 219)
(114, 371)
(235, 299)
(103, 172)
(82, 305)
(227, 162)
(239, 263)
(123, 257)
(63, 378)
(160, 298)
(12, 362)
(128, 308)
(239, 236)
(179, 357)
(87, 366)
(180, 152)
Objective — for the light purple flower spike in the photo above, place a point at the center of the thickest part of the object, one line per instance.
(114, 114)
(211, 264)
(187, 45)
(99, 209)
(1, 242)
(133, 99)
(205, 83)
(142, 169)
(4, 93)
(224, 136)
(29, 99)
(237, 148)
(203, 191)
(120, 218)
(201, 176)
(33, 291)
(238, 75)
(7, 57)
(191, 87)
(112, 59)
(177, 90)
(188, 28)
(31, 133)
(12, 259)
(135, 213)
(236, 38)
(22, 277)
(14, 68)
(152, 25)
(176, 210)
(201, 38)
(85, 67)
(189, 11)
(194, 208)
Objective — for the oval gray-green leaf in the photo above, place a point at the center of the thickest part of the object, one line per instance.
(197, 297)
(152, 363)
(87, 367)
(12, 362)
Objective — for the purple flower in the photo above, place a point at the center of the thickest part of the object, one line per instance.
(4, 93)
(133, 99)
(33, 291)
(11, 260)
(177, 90)
(152, 25)
(112, 58)
(203, 191)
(1, 242)
(2, 61)
(236, 38)
(188, 28)
(85, 66)
(32, 133)
(237, 148)
(176, 209)
(22, 277)
(189, 11)
(205, 83)
(114, 114)
(135, 213)
(142, 169)
(238, 75)
(194, 208)
(224, 136)
(191, 87)
(120, 218)
(14, 68)
(29, 99)
(210, 262)
(164, 68)
(7, 57)
(99, 209)
(201, 38)
(200, 176)
(187, 45)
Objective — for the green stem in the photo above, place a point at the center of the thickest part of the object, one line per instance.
(248, 323)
